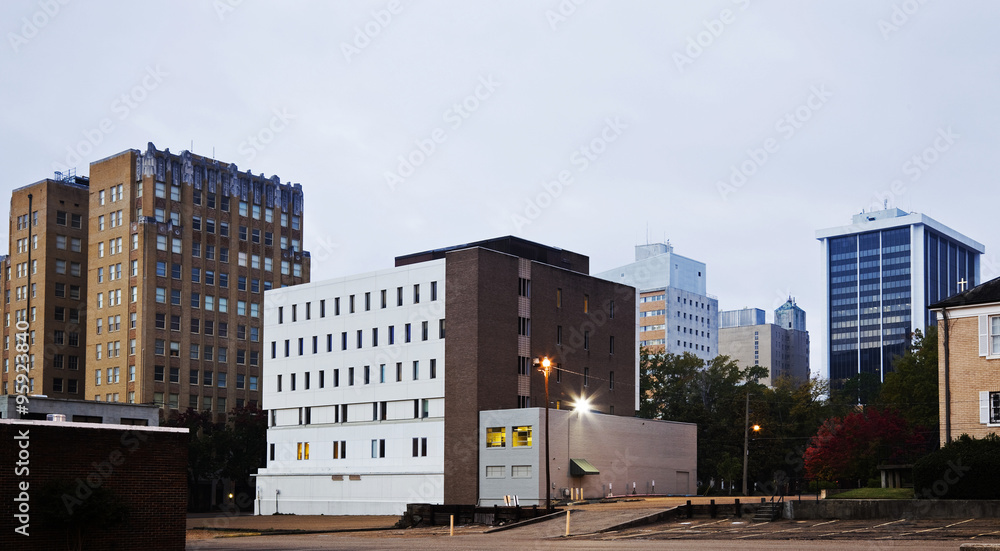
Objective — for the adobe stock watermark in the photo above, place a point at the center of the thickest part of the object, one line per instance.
(22, 442)
(454, 117)
(899, 16)
(562, 12)
(365, 34)
(122, 107)
(32, 25)
(256, 142)
(580, 159)
(785, 128)
(915, 167)
(701, 41)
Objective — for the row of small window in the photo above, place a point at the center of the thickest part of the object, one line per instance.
(360, 338)
(243, 332)
(653, 298)
(117, 193)
(115, 297)
(204, 377)
(63, 242)
(340, 451)
(695, 332)
(366, 376)
(114, 349)
(211, 303)
(351, 303)
(496, 437)
(21, 315)
(516, 471)
(21, 292)
(74, 268)
(72, 385)
(585, 343)
(380, 412)
(694, 346)
(22, 244)
(114, 220)
(203, 403)
(206, 352)
(696, 304)
(115, 271)
(22, 220)
(653, 342)
(114, 247)
(245, 209)
(113, 375)
(62, 218)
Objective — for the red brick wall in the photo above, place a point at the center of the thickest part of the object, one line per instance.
(150, 478)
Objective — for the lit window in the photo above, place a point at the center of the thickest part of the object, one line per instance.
(521, 436)
(496, 437)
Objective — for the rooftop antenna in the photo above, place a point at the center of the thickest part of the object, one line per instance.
(885, 204)
(192, 146)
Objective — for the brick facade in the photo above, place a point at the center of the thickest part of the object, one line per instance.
(969, 373)
(144, 467)
(573, 318)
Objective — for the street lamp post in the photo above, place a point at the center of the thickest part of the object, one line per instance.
(746, 442)
(545, 365)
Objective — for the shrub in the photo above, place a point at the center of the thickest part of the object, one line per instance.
(963, 469)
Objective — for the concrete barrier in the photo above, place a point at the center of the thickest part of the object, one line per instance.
(872, 509)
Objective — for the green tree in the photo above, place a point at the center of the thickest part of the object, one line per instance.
(912, 388)
(684, 388)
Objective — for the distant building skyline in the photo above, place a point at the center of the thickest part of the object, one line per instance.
(676, 313)
(881, 273)
(782, 347)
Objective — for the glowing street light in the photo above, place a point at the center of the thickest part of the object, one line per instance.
(546, 365)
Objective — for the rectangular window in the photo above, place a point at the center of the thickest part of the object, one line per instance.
(520, 471)
(995, 335)
(521, 436)
(496, 437)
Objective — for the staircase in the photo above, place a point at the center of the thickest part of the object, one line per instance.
(767, 512)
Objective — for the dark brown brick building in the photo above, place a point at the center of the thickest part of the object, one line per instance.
(511, 301)
(51, 466)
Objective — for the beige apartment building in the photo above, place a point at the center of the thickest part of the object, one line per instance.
(44, 288)
(969, 362)
(177, 251)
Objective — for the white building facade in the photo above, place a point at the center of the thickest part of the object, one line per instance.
(354, 377)
(675, 312)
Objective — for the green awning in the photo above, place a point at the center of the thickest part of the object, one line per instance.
(580, 467)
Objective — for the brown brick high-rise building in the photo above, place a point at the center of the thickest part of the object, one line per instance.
(181, 249)
(147, 286)
(45, 285)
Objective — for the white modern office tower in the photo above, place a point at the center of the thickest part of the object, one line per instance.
(676, 313)
(354, 382)
(882, 272)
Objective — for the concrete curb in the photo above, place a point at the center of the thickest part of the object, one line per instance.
(527, 522)
(649, 519)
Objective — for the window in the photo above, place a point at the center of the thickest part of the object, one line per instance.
(989, 404)
(586, 376)
(995, 335)
(495, 471)
(378, 448)
(520, 471)
(496, 437)
(521, 436)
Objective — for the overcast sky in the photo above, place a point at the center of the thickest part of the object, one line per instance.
(733, 128)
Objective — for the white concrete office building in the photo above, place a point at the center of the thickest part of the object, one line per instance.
(354, 383)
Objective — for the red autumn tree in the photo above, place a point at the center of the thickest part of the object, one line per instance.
(851, 447)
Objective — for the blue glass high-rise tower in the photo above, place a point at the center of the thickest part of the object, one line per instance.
(882, 272)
